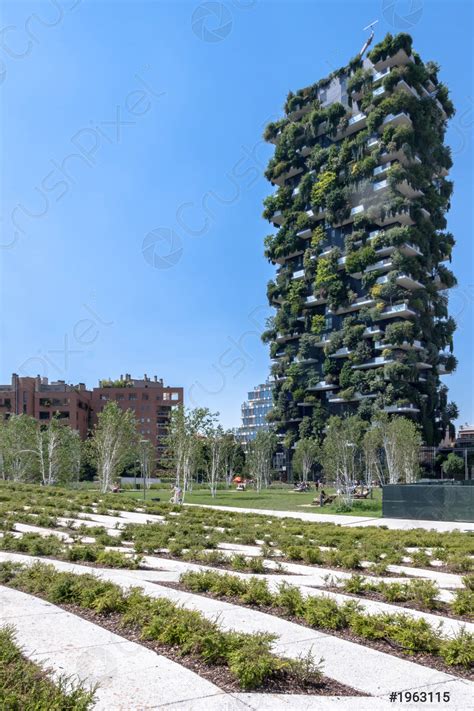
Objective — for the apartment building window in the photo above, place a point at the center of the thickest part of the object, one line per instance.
(174, 396)
(144, 396)
(104, 397)
(166, 396)
(132, 396)
(120, 397)
(44, 415)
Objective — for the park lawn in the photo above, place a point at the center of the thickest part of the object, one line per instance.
(267, 499)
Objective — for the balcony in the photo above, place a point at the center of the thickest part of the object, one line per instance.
(401, 215)
(404, 346)
(281, 179)
(341, 353)
(378, 91)
(323, 342)
(397, 310)
(373, 363)
(355, 123)
(322, 385)
(410, 250)
(304, 151)
(277, 218)
(372, 142)
(318, 213)
(282, 338)
(304, 234)
(298, 274)
(380, 75)
(401, 409)
(381, 168)
(384, 265)
(396, 120)
(400, 58)
(406, 189)
(372, 331)
(355, 398)
(315, 300)
(354, 306)
(405, 280)
(404, 86)
(380, 185)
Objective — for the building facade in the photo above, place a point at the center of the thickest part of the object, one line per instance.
(149, 399)
(38, 398)
(361, 246)
(254, 413)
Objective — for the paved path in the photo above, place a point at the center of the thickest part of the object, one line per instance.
(394, 523)
(344, 661)
(130, 677)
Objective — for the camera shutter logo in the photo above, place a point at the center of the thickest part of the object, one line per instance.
(162, 248)
(211, 21)
(393, 11)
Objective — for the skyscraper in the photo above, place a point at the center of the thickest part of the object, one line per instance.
(254, 413)
(361, 321)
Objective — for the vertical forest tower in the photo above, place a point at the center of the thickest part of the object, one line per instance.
(360, 246)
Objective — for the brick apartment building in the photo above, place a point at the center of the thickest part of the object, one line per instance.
(37, 397)
(149, 399)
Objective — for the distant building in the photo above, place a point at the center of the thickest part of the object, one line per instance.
(465, 437)
(150, 400)
(37, 397)
(254, 412)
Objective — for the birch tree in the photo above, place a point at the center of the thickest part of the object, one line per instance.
(260, 456)
(341, 453)
(19, 459)
(307, 453)
(401, 443)
(375, 468)
(215, 436)
(113, 443)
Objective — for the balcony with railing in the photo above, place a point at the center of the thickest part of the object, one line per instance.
(313, 300)
(400, 119)
(402, 310)
(373, 363)
(399, 58)
(299, 274)
(401, 409)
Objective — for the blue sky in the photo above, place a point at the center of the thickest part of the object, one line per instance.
(132, 180)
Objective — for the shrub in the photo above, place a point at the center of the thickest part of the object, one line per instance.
(393, 592)
(312, 556)
(252, 662)
(463, 603)
(367, 626)
(257, 592)
(356, 584)
(424, 592)
(289, 598)
(324, 612)
(459, 650)
(411, 634)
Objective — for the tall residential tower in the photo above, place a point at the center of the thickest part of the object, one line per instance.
(361, 320)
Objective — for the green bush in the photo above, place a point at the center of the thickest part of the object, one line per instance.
(290, 599)
(323, 612)
(252, 662)
(459, 650)
(368, 626)
(463, 603)
(356, 584)
(257, 592)
(413, 635)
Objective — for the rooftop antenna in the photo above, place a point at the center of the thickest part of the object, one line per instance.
(371, 37)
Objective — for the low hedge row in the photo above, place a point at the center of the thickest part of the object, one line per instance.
(408, 634)
(247, 656)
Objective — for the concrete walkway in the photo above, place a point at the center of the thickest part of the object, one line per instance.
(344, 661)
(130, 677)
(393, 523)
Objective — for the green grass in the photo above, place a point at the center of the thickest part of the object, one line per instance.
(25, 686)
(268, 499)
